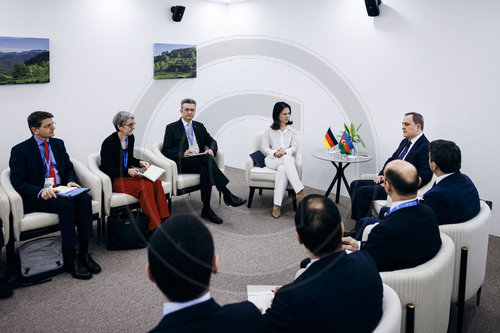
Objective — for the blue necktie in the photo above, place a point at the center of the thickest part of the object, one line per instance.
(405, 150)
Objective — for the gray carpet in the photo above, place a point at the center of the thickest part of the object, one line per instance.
(253, 248)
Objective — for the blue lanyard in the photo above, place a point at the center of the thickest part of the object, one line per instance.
(190, 138)
(404, 205)
(125, 154)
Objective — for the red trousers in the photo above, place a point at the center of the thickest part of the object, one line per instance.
(151, 197)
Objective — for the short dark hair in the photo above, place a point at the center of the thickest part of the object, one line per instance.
(417, 118)
(188, 101)
(399, 182)
(446, 154)
(318, 224)
(278, 107)
(35, 119)
(180, 255)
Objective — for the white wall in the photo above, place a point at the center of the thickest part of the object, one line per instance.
(434, 57)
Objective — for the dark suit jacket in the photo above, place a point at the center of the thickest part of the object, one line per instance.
(418, 156)
(175, 141)
(405, 238)
(338, 293)
(27, 171)
(454, 199)
(112, 156)
(211, 317)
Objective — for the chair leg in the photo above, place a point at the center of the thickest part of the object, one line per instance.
(461, 288)
(250, 196)
(220, 196)
(169, 203)
(11, 255)
(410, 318)
(260, 191)
(478, 296)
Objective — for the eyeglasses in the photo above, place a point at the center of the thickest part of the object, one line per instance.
(48, 125)
(130, 125)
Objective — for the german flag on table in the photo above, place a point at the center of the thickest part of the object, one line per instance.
(329, 139)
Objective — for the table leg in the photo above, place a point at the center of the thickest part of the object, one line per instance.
(331, 185)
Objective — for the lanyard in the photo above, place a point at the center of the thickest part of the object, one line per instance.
(404, 205)
(125, 154)
(190, 138)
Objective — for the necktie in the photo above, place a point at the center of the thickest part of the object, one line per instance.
(405, 150)
(52, 172)
(190, 129)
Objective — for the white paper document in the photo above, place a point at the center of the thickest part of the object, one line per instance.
(153, 172)
(261, 295)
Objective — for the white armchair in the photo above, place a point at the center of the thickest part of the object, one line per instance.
(185, 182)
(4, 215)
(391, 315)
(425, 290)
(263, 178)
(378, 204)
(471, 249)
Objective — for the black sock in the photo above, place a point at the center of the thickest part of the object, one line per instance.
(225, 192)
(69, 254)
(206, 205)
(83, 249)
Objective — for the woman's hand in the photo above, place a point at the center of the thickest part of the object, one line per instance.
(144, 164)
(280, 152)
(133, 172)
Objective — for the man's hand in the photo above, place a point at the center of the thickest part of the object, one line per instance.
(188, 153)
(209, 152)
(73, 184)
(378, 179)
(144, 164)
(48, 193)
(349, 243)
(132, 172)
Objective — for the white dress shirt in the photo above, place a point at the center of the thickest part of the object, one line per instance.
(193, 147)
(169, 307)
(276, 139)
(413, 143)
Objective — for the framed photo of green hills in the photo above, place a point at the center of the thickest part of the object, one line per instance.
(24, 60)
(174, 61)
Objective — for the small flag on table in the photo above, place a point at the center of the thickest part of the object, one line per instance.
(346, 142)
(329, 139)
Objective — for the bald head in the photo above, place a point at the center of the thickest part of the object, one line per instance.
(402, 176)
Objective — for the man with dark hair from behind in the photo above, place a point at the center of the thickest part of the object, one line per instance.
(324, 296)
(181, 260)
(454, 197)
(409, 235)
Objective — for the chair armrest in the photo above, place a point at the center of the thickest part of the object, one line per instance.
(16, 203)
(88, 179)
(107, 187)
(5, 214)
(368, 176)
(219, 159)
(248, 167)
(164, 161)
(149, 156)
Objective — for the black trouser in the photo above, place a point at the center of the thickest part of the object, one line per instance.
(210, 174)
(76, 211)
(363, 192)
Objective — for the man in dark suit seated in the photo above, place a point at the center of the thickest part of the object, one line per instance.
(39, 164)
(335, 287)
(409, 234)
(454, 197)
(184, 143)
(413, 149)
(181, 261)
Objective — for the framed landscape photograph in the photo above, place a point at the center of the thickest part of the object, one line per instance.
(174, 61)
(24, 60)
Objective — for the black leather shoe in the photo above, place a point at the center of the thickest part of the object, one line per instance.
(209, 214)
(234, 200)
(90, 264)
(78, 271)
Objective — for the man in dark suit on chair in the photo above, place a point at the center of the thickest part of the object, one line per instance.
(335, 287)
(180, 262)
(409, 234)
(184, 143)
(413, 149)
(454, 197)
(39, 164)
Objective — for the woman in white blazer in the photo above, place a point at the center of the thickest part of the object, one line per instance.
(279, 144)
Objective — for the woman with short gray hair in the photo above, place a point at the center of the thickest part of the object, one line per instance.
(119, 163)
